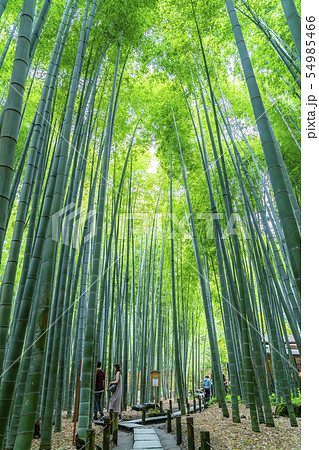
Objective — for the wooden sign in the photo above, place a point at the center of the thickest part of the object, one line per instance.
(155, 378)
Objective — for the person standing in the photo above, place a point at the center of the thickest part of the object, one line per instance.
(99, 388)
(207, 386)
(225, 383)
(115, 401)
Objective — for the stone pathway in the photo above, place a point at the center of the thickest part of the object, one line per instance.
(167, 440)
(153, 436)
(125, 441)
(146, 439)
(131, 424)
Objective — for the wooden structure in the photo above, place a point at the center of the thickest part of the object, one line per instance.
(155, 381)
(293, 348)
(155, 378)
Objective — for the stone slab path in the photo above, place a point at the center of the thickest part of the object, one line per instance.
(129, 426)
(151, 436)
(146, 439)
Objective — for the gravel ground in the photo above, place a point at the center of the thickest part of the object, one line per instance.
(224, 434)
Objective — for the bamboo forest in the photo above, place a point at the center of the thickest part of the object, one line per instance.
(150, 195)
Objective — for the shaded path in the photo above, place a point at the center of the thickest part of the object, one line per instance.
(134, 435)
(146, 438)
(166, 440)
(125, 441)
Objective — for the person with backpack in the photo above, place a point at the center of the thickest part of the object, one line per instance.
(99, 388)
(207, 385)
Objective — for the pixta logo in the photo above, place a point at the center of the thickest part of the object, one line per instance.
(73, 226)
(141, 223)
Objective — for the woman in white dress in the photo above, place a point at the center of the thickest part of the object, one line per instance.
(115, 401)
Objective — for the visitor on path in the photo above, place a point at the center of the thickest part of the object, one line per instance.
(115, 402)
(207, 385)
(99, 388)
(225, 383)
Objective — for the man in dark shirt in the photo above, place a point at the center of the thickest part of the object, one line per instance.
(99, 388)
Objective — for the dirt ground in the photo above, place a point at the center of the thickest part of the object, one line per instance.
(224, 434)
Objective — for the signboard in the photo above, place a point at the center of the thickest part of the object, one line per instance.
(155, 378)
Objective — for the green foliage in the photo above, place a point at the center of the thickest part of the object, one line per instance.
(296, 400)
(132, 17)
(273, 400)
(212, 401)
(282, 411)
(154, 412)
(228, 398)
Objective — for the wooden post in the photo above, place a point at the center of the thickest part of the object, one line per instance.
(190, 433)
(188, 408)
(155, 398)
(161, 406)
(179, 404)
(143, 416)
(90, 439)
(178, 430)
(111, 415)
(200, 404)
(106, 433)
(77, 402)
(204, 440)
(194, 405)
(115, 427)
(169, 421)
(170, 405)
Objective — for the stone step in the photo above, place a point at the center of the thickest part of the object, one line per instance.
(146, 435)
(148, 420)
(128, 426)
(144, 430)
(146, 438)
(147, 444)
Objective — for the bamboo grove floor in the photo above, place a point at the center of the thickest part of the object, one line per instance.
(224, 434)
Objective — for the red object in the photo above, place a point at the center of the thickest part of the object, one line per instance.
(99, 383)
